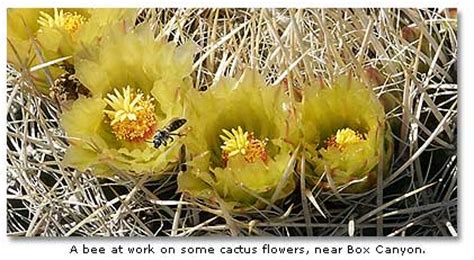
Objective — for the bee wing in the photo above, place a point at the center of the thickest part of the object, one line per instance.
(175, 123)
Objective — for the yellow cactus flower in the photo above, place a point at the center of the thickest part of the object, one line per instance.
(133, 96)
(132, 116)
(22, 24)
(344, 128)
(57, 33)
(236, 146)
(68, 21)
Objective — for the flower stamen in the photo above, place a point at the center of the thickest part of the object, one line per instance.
(70, 22)
(132, 115)
(344, 137)
(237, 142)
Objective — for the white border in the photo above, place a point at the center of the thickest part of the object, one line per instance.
(437, 248)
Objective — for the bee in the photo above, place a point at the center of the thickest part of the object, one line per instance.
(67, 87)
(165, 135)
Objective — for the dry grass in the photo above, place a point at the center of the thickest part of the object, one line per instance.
(418, 198)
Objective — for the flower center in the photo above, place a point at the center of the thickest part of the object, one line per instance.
(66, 20)
(132, 115)
(240, 143)
(344, 137)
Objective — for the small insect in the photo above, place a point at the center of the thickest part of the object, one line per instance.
(67, 87)
(165, 135)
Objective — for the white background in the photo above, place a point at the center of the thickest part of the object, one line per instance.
(436, 248)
